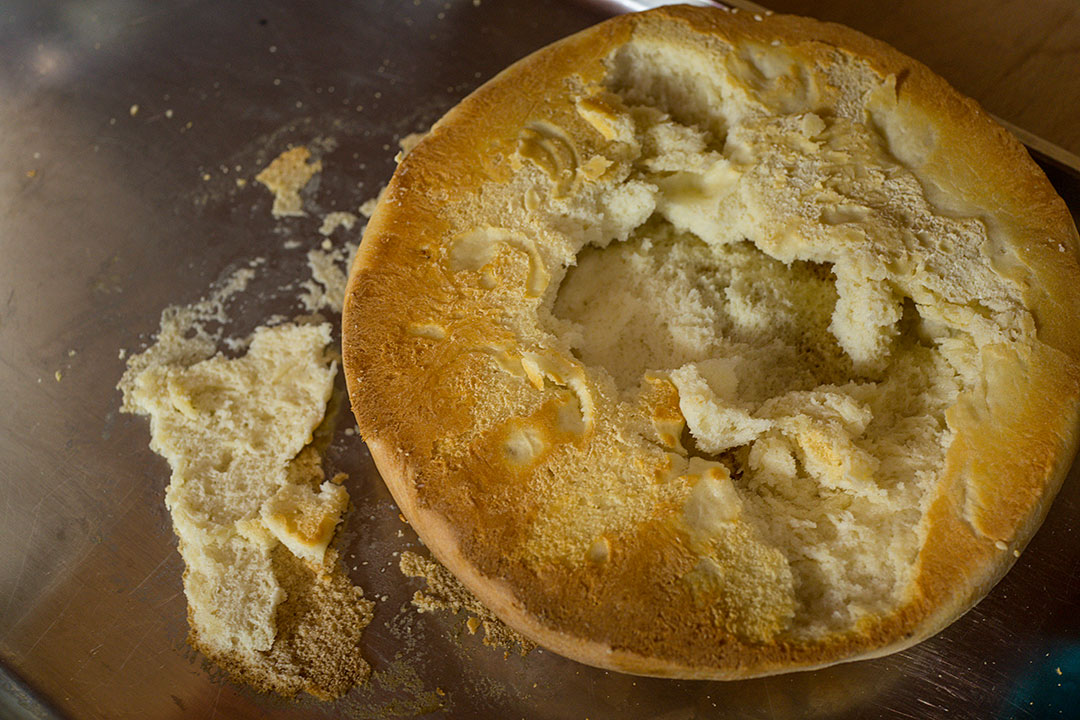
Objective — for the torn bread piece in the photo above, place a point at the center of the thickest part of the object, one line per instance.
(267, 600)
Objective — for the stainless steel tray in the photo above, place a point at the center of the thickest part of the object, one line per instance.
(108, 214)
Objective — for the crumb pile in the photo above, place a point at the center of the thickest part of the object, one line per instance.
(268, 598)
(445, 592)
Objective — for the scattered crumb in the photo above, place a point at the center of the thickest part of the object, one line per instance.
(334, 220)
(58, 375)
(407, 144)
(291, 244)
(120, 355)
(398, 691)
(285, 177)
(72, 353)
(1057, 670)
(133, 110)
(168, 114)
(445, 592)
(367, 208)
(329, 272)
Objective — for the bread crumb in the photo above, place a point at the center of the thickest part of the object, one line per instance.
(285, 177)
(407, 144)
(367, 208)
(337, 219)
(445, 592)
(329, 272)
(133, 110)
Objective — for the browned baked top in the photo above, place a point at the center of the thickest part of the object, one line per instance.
(713, 345)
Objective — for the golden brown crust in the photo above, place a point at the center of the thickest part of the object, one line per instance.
(416, 399)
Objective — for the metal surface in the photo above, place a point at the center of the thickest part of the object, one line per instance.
(107, 216)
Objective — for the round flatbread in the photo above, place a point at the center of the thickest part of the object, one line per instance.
(712, 345)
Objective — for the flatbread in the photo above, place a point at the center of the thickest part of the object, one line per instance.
(712, 345)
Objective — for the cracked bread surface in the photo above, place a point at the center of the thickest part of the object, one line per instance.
(699, 345)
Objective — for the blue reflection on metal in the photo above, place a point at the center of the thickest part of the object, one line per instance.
(1050, 688)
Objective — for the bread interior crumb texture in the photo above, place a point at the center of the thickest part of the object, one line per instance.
(758, 243)
(268, 599)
